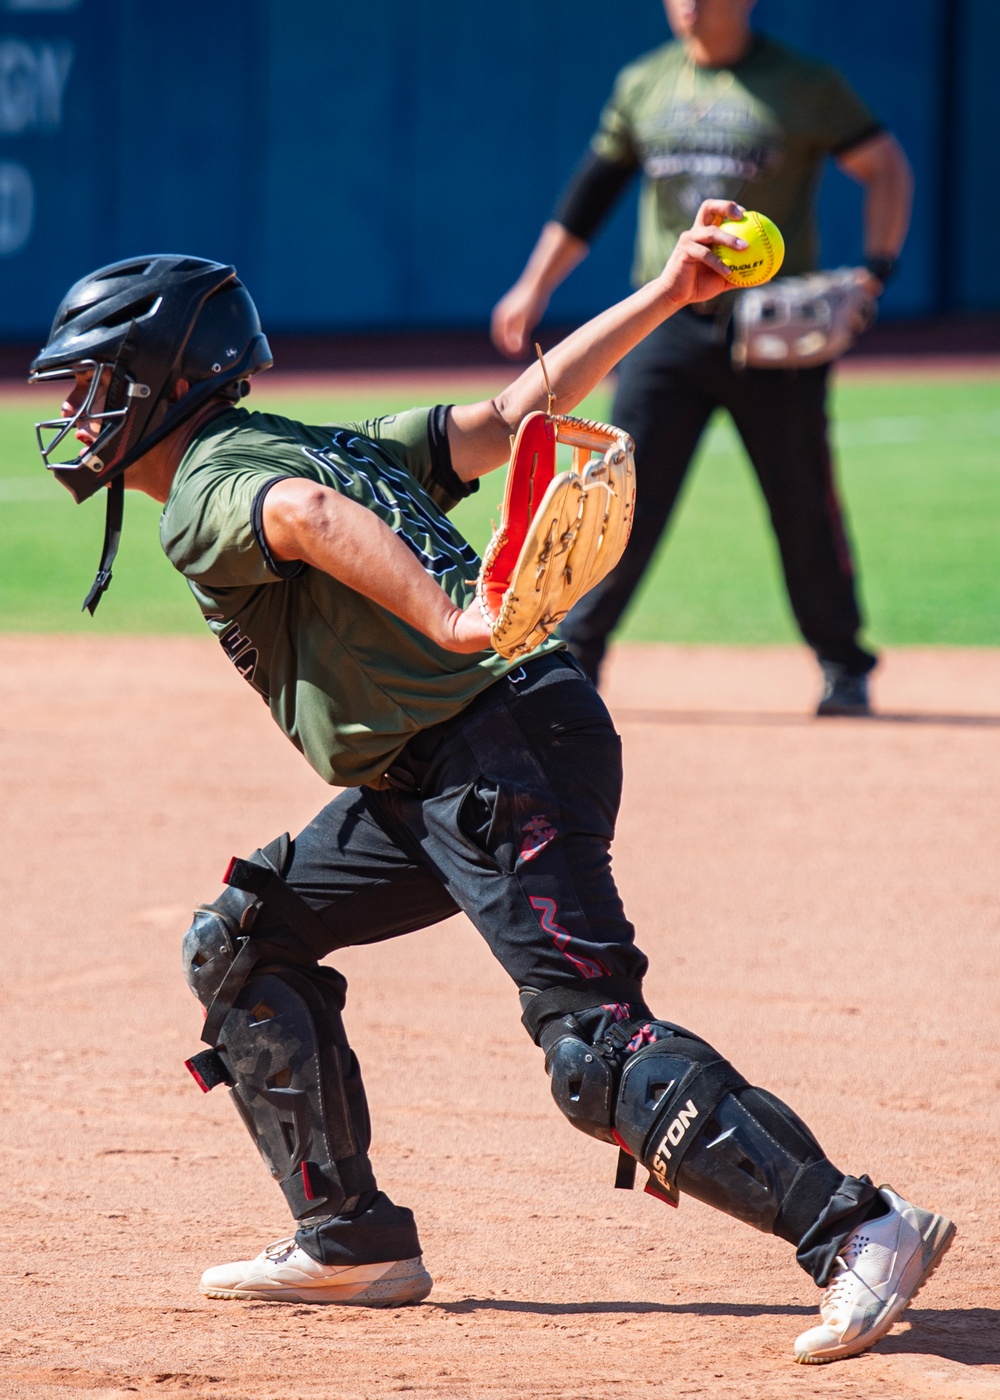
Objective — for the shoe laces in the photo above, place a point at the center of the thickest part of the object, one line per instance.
(839, 1293)
(845, 1281)
(281, 1249)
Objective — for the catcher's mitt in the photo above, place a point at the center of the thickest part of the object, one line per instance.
(797, 322)
(560, 533)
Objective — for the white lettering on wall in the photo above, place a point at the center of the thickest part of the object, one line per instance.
(32, 82)
(17, 207)
(37, 5)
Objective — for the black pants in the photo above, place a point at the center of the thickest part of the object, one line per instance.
(506, 812)
(668, 388)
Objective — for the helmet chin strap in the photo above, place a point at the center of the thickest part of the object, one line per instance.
(174, 416)
(116, 503)
(233, 389)
(112, 537)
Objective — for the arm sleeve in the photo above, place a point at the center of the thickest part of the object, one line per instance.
(419, 439)
(843, 120)
(293, 567)
(591, 194)
(211, 530)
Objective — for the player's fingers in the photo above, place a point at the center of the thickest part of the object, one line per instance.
(713, 236)
(709, 259)
(701, 252)
(702, 247)
(717, 265)
(716, 211)
(471, 631)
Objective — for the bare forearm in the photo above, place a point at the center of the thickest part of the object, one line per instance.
(305, 521)
(552, 259)
(519, 311)
(578, 364)
(480, 433)
(359, 549)
(881, 166)
(888, 199)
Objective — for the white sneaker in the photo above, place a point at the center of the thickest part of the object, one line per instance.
(883, 1267)
(284, 1273)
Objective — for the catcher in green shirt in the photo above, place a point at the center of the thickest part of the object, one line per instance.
(324, 561)
(727, 113)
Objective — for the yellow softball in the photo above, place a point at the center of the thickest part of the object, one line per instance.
(763, 255)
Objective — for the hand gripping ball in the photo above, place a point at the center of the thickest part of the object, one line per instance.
(763, 255)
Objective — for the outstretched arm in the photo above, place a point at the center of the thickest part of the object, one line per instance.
(479, 434)
(305, 520)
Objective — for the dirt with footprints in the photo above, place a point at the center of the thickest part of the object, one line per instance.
(817, 898)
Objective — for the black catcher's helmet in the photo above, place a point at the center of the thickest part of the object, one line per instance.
(149, 321)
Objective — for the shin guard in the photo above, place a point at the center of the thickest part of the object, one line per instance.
(701, 1129)
(297, 1087)
(278, 1041)
(673, 1104)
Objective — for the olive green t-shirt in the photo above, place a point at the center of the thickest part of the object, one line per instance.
(757, 133)
(347, 681)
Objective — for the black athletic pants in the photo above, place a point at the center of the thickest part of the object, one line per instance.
(506, 812)
(668, 388)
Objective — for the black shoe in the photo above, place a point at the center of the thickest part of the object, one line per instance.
(843, 693)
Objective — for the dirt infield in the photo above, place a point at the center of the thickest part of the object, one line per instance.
(818, 898)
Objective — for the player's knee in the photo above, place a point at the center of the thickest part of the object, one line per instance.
(212, 942)
(277, 1040)
(586, 1056)
(583, 1081)
(218, 930)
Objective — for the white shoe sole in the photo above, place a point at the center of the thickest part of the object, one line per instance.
(405, 1281)
(937, 1236)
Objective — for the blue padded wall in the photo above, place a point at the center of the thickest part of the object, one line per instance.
(389, 164)
(974, 283)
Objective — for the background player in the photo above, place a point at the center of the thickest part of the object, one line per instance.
(322, 559)
(725, 113)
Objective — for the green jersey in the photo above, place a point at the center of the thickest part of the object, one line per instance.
(347, 681)
(757, 133)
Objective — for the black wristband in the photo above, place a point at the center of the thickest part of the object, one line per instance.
(442, 470)
(882, 268)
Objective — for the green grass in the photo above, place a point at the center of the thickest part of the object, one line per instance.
(919, 474)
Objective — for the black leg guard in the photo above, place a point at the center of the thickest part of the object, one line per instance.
(279, 1043)
(675, 1105)
(298, 1087)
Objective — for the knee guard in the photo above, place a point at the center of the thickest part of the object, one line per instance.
(672, 1103)
(278, 1041)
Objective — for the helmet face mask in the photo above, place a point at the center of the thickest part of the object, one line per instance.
(109, 420)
